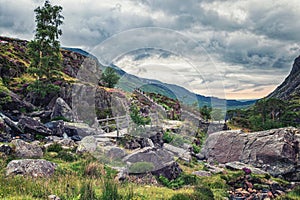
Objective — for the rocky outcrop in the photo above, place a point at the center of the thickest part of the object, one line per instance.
(62, 110)
(291, 85)
(274, 151)
(33, 127)
(14, 103)
(24, 149)
(6, 149)
(31, 167)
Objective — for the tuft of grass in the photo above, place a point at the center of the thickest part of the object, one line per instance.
(94, 170)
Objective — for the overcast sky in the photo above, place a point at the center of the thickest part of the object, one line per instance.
(248, 46)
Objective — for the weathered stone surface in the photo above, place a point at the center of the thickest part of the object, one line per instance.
(115, 153)
(202, 173)
(181, 153)
(214, 169)
(7, 150)
(14, 102)
(81, 129)
(67, 143)
(15, 130)
(87, 144)
(239, 166)
(274, 151)
(171, 170)
(159, 157)
(62, 109)
(31, 126)
(57, 127)
(27, 150)
(31, 167)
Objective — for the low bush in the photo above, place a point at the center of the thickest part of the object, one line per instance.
(55, 147)
(196, 148)
(183, 179)
(167, 137)
(66, 156)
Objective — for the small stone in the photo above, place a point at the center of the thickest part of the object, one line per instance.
(201, 173)
(280, 192)
(270, 194)
(53, 197)
(249, 185)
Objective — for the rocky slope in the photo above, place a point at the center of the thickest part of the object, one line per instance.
(290, 88)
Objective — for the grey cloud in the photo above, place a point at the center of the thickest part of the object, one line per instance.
(266, 40)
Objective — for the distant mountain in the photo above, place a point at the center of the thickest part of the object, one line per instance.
(290, 88)
(129, 82)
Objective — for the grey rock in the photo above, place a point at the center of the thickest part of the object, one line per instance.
(29, 125)
(199, 156)
(62, 109)
(6, 149)
(87, 144)
(291, 85)
(53, 197)
(12, 125)
(31, 167)
(81, 129)
(201, 173)
(274, 151)
(26, 150)
(240, 166)
(171, 171)
(15, 102)
(159, 157)
(122, 173)
(214, 169)
(67, 143)
(115, 153)
(181, 153)
(57, 127)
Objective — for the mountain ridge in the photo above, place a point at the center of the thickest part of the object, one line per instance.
(129, 82)
(290, 87)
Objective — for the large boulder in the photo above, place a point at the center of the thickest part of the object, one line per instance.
(158, 157)
(63, 110)
(80, 129)
(57, 127)
(170, 170)
(14, 102)
(33, 127)
(180, 152)
(87, 144)
(274, 151)
(24, 149)
(31, 167)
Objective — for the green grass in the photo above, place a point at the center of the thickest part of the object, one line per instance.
(87, 178)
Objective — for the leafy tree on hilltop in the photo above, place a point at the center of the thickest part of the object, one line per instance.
(109, 77)
(44, 50)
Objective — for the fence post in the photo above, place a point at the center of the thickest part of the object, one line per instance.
(117, 123)
(106, 124)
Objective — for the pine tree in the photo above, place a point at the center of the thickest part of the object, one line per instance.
(44, 50)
